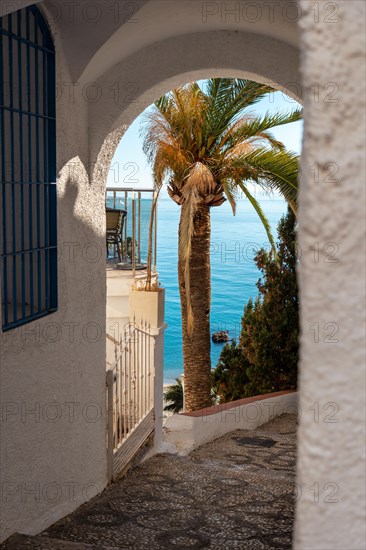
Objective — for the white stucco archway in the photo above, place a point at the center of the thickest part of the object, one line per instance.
(122, 99)
(157, 68)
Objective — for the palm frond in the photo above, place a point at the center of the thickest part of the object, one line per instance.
(263, 139)
(163, 149)
(272, 170)
(277, 171)
(230, 96)
(227, 99)
(257, 127)
(173, 396)
(162, 103)
(230, 190)
(238, 91)
(261, 214)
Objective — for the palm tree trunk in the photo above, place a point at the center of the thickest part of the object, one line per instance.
(196, 348)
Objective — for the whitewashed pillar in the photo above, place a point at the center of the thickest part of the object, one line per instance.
(331, 472)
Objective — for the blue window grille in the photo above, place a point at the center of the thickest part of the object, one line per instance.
(27, 168)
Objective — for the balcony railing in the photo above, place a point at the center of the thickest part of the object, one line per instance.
(130, 396)
(135, 231)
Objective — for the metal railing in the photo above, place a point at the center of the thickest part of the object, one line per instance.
(135, 232)
(130, 396)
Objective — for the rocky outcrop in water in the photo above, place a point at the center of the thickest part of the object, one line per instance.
(220, 336)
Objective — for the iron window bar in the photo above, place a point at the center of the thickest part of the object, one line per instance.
(28, 168)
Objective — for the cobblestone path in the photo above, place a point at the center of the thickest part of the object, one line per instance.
(235, 492)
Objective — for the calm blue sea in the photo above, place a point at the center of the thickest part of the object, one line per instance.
(233, 271)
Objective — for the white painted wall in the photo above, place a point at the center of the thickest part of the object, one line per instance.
(183, 433)
(53, 455)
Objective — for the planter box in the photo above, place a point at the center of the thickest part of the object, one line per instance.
(147, 306)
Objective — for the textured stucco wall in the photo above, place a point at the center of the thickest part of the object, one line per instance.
(53, 454)
(331, 469)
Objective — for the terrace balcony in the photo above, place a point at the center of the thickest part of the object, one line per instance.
(130, 270)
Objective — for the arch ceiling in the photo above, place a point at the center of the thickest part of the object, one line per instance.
(135, 82)
(97, 35)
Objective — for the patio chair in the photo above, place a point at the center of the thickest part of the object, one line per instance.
(114, 231)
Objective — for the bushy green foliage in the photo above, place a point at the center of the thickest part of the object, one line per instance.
(266, 357)
(229, 378)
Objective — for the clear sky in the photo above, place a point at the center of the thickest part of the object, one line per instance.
(130, 168)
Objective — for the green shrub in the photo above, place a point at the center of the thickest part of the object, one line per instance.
(266, 357)
(229, 378)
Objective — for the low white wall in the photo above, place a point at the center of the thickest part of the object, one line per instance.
(183, 433)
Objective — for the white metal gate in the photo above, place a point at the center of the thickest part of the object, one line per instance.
(130, 397)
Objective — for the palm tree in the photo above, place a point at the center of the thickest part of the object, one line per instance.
(174, 397)
(206, 146)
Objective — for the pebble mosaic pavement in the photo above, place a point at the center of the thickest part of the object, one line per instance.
(237, 492)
